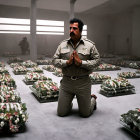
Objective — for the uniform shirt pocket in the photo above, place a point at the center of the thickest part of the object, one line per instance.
(84, 54)
(65, 54)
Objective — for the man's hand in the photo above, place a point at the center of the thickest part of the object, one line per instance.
(70, 61)
(77, 60)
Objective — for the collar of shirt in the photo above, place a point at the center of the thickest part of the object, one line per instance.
(80, 42)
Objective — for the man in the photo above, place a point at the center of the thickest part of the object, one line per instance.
(77, 57)
(24, 45)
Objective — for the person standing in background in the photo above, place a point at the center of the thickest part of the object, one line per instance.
(76, 57)
(24, 45)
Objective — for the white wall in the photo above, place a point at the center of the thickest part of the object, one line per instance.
(99, 27)
(110, 33)
(46, 44)
(122, 33)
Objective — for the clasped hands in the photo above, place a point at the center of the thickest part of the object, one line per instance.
(74, 58)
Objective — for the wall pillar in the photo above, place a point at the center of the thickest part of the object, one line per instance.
(33, 46)
(72, 3)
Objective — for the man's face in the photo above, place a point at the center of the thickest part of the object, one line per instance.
(74, 31)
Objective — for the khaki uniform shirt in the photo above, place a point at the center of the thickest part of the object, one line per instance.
(87, 52)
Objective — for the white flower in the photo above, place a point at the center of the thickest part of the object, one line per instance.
(13, 97)
(17, 120)
(23, 116)
(11, 117)
(2, 123)
(2, 116)
(21, 112)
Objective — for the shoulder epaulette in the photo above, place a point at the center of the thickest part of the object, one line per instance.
(89, 41)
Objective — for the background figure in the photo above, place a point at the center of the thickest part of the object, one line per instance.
(24, 45)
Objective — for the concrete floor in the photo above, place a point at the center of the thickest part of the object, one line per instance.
(44, 124)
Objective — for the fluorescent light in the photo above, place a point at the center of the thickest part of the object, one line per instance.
(14, 21)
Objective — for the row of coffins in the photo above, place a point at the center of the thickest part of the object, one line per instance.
(13, 113)
(45, 89)
(33, 75)
(124, 63)
(19, 60)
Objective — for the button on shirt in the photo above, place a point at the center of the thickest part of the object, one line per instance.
(87, 52)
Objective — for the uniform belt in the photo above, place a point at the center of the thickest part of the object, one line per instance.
(76, 77)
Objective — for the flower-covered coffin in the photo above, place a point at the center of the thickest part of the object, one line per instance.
(37, 69)
(118, 62)
(14, 60)
(131, 121)
(134, 65)
(97, 78)
(29, 64)
(2, 64)
(9, 96)
(50, 68)
(44, 62)
(32, 77)
(12, 65)
(58, 72)
(138, 71)
(45, 89)
(12, 116)
(20, 70)
(116, 87)
(105, 67)
(6, 79)
(128, 75)
(3, 70)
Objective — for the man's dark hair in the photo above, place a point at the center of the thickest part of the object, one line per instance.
(80, 23)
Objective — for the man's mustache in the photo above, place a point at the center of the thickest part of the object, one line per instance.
(72, 33)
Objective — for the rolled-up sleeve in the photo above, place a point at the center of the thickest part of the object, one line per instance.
(94, 60)
(57, 61)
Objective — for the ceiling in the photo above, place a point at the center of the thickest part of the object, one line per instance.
(87, 6)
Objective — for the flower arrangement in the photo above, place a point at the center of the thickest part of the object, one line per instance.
(12, 65)
(98, 78)
(9, 96)
(131, 120)
(5, 88)
(2, 64)
(50, 68)
(12, 116)
(117, 86)
(44, 62)
(105, 66)
(134, 65)
(58, 72)
(6, 79)
(127, 74)
(20, 70)
(3, 70)
(32, 77)
(14, 60)
(29, 64)
(37, 69)
(45, 89)
(138, 71)
(118, 62)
